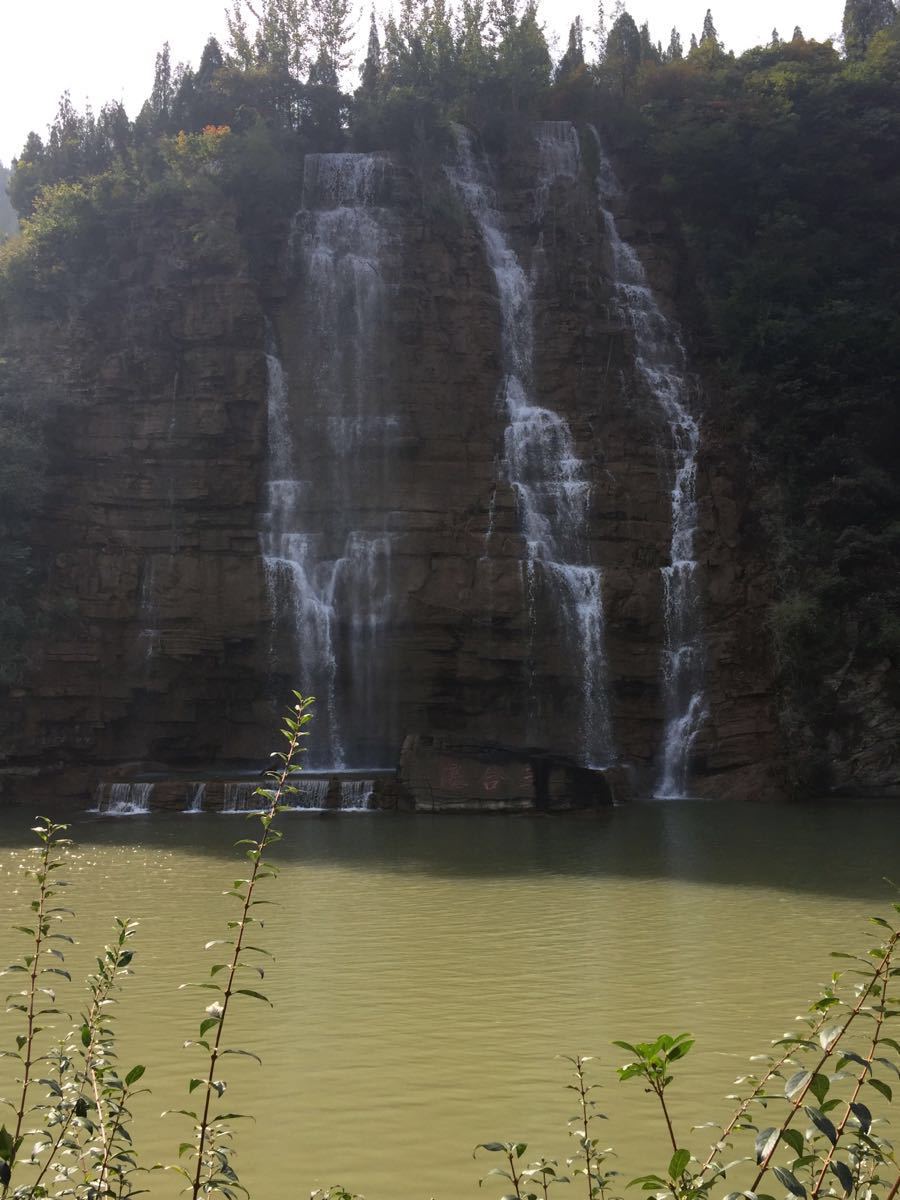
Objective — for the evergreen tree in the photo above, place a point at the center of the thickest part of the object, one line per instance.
(693, 43)
(649, 52)
(775, 40)
(709, 36)
(211, 60)
(370, 72)
(623, 53)
(163, 91)
(798, 35)
(574, 55)
(675, 51)
(862, 20)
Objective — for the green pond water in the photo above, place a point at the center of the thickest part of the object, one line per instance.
(430, 969)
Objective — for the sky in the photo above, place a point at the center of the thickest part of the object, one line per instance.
(102, 50)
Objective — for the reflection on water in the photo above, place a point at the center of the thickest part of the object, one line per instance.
(429, 969)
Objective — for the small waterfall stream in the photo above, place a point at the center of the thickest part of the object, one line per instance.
(660, 363)
(327, 563)
(123, 799)
(549, 478)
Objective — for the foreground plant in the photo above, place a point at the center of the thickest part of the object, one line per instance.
(213, 1172)
(819, 1092)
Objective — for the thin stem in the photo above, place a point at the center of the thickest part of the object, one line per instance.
(43, 877)
(261, 845)
(894, 1190)
(798, 1101)
(860, 1079)
(757, 1091)
(662, 1101)
(579, 1067)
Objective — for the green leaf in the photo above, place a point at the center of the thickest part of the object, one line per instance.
(134, 1075)
(821, 1122)
(790, 1181)
(863, 1115)
(844, 1174)
(819, 1087)
(794, 1139)
(678, 1163)
(255, 995)
(797, 1083)
(882, 1087)
(765, 1140)
(7, 1146)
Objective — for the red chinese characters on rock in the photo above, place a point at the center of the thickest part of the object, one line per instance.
(492, 778)
(452, 776)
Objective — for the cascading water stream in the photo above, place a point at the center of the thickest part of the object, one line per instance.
(328, 569)
(123, 799)
(660, 364)
(542, 466)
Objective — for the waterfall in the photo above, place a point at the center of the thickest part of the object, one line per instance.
(241, 798)
(660, 363)
(311, 794)
(356, 794)
(196, 798)
(548, 477)
(123, 799)
(560, 158)
(326, 550)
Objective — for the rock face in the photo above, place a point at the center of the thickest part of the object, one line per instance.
(174, 559)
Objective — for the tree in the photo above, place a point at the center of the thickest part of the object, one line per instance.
(573, 58)
(523, 57)
(370, 71)
(331, 27)
(649, 52)
(600, 32)
(775, 40)
(623, 53)
(675, 52)
(709, 36)
(693, 43)
(862, 20)
(281, 38)
(163, 91)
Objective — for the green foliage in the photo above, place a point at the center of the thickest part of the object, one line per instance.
(84, 1147)
(795, 308)
(807, 1125)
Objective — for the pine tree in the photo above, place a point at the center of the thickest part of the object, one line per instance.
(675, 51)
(574, 55)
(370, 71)
(648, 50)
(776, 39)
(798, 35)
(623, 53)
(709, 36)
(693, 44)
(163, 92)
(862, 20)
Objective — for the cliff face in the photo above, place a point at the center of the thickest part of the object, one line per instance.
(304, 481)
